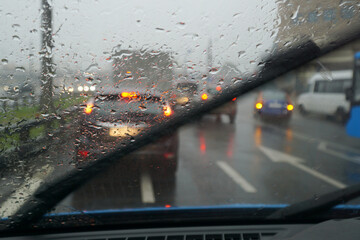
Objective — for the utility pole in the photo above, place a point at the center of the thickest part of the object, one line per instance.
(47, 69)
(209, 59)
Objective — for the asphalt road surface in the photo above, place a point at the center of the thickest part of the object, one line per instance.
(248, 162)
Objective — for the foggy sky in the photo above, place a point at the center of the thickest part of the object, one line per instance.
(86, 31)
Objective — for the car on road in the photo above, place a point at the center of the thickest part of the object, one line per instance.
(113, 115)
(228, 108)
(325, 95)
(273, 104)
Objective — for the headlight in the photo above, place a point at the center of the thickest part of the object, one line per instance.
(80, 88)
(182, 100)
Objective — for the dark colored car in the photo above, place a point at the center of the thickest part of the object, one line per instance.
(113, 115)
(275, 104)
(228, 108)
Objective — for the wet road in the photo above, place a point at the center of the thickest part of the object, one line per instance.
(248, 162)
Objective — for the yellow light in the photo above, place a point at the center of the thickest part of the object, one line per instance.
(290, 107)
(167, 111)
(129, 95)
(204, 96)
(259, 106)
(125, 94)
(182, 100)
(88, 108)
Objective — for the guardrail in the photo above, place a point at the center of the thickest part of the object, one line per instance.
(26, 146)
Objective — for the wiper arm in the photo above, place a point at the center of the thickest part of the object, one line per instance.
(49, 195)
(317, 204)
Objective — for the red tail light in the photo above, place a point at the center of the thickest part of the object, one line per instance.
(89, 108)
(218, 88)
(83, 153)
(234, 99)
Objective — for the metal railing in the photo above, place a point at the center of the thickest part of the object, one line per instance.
(27, 146)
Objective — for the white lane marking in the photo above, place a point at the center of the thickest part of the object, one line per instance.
(24, 192)
(305, 137)
(277, 156)
(236, 177)
(323, 146)
(147, 190)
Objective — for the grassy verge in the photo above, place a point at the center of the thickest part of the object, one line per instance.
(31, 112)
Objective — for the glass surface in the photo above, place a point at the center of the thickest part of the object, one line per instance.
(274, 95)
(61, 104)
(116, 104)
(357, 86)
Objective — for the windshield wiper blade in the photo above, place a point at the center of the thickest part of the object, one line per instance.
(49, 195)
(317, 204)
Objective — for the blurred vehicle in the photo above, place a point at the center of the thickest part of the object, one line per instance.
(326, 95)
(186, 93)
(228, 108)
(274, 104)
(114, 114)
(353, 96)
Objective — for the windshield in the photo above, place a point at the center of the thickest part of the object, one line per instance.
(81, 80)
(357, 83)
(187, 87)
(115, 103)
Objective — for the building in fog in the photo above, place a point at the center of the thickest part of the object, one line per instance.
(146, 69)
(322, 22)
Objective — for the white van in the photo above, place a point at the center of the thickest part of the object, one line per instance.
(326, 94)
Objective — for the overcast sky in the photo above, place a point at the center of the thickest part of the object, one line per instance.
(87, 31)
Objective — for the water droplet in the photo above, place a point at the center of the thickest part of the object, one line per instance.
(240, 54)
(16, 37)
(92, 67)
(236, 15)
(4, 61)
(295, 14)
(20, 69)
(194, 36)
(159, 29)
(236, 80)
(180, 25)
(214, 70)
